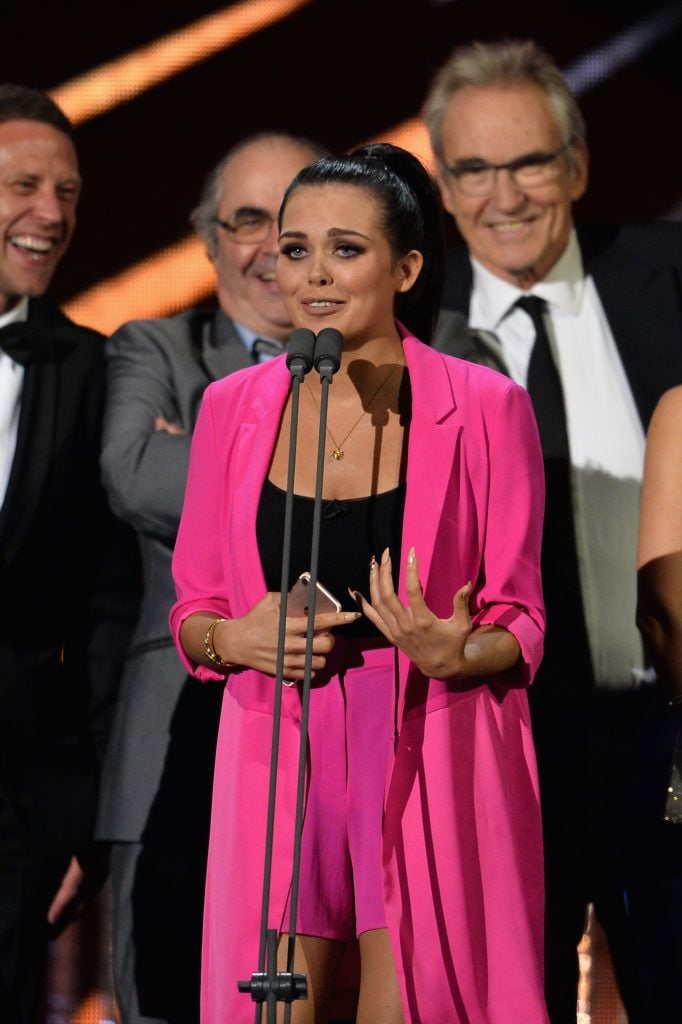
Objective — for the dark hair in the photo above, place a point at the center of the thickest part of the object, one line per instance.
(411, 218)
(19, 103)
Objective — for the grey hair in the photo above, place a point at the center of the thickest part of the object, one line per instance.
(202, 217)
(509, 62)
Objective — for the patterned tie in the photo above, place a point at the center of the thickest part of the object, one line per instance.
(567, 666)
(264, 350)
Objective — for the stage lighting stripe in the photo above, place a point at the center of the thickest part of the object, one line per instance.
(601, 63)
(181, 276)
(122, 79)
(175, 278)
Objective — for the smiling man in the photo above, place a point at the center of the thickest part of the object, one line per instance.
(590, 322)
(156, 792)
(68, 569)
(40, 188)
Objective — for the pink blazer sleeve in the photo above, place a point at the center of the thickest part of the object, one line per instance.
(511, 591)
(198, 561)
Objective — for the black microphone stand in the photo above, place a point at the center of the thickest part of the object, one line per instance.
(327, 361)
(271, 986)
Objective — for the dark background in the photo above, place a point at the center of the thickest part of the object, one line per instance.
(339, 71)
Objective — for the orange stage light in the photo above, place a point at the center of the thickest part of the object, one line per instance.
(181, 276)
(120, 80)
(175, 278)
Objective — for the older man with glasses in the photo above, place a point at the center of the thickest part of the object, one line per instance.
(590, 322)
(156, 790)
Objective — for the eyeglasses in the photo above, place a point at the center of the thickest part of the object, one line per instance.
(532, 170)
(248, 226)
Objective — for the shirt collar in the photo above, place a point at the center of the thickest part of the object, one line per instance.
(250, 337)
(563, 286)
(17, 314)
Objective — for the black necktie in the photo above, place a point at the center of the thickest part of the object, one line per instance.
(567, 667)
(23, 342)
(264, 350)
(544, 384)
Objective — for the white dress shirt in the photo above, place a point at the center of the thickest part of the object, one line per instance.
(606, 442)
(249, 338)
(11, 380)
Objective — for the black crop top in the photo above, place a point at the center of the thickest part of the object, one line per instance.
(350, 533)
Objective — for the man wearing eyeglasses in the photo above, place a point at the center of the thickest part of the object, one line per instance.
(156, 790)
(590, 322)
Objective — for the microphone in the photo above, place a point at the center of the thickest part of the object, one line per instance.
(328, 352)
(300, 348)
(273, 986)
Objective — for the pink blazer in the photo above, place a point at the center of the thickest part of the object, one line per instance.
(462, 840)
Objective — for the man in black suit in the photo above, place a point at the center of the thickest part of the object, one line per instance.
(68, 573)
(591, 323)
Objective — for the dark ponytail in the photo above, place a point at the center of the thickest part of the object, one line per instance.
(411, 219)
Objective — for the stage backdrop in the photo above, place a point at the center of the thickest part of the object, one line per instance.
(160, 91)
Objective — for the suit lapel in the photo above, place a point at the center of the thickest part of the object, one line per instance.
(432, 448)
(253, 451)
(222, 350)
(35, 439)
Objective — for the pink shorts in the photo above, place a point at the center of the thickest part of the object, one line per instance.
(351, 732)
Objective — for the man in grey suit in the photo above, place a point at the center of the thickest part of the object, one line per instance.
(156, 789)
(590, 322)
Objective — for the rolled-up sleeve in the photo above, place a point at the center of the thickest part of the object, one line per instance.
(198, 558)
(510, 592)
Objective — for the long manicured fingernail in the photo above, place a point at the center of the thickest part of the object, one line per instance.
(411, 557)
(372, 564)
(357, 597)
(385, 556)
(352, 616)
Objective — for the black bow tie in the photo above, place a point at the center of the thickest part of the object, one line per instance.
(23, 342)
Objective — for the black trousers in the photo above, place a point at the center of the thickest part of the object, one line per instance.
(26, 892)
(158, 899)
(603, 762)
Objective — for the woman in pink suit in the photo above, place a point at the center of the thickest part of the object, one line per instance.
(421, 835)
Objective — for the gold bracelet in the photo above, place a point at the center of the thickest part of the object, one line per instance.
(210, 650)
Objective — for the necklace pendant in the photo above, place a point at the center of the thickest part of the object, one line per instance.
(337, 453)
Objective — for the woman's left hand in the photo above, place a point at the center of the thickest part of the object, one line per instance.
(436, 646)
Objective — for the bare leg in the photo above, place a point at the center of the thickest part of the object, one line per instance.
(319, 960)
(380, 1001)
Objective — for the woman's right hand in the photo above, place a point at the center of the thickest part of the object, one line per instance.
(251, 641)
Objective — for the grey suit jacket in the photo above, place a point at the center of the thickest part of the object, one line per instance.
(163, 737)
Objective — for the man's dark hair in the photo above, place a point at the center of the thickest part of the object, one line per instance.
(20, 103)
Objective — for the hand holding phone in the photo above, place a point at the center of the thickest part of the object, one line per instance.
(298, 598)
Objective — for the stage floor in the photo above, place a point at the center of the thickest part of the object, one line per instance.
(79, 987)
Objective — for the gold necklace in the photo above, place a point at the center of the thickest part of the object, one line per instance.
(337, 453)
